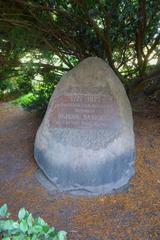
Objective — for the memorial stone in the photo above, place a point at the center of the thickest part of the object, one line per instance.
(85, 144)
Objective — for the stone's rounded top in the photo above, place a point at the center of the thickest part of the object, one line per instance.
(92, 61)
(91, 72)
(86, 141)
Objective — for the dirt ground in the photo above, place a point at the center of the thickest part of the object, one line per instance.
(133, 215)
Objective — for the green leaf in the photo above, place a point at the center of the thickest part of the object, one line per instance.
(34, 237)
(15, 228)
(30, 220)
(62, 235)
(46, 229)
(36, 229)
(52, 232)
(8, 225)
(22, 213)
(16, 225)
(19, 237)
(6, 238)
(23, 226)
(4, 210)
(41, 222)
(2, 223)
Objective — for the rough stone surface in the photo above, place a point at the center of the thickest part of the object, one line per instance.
(85, 144)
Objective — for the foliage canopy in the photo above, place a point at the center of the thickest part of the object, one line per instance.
(48, 37)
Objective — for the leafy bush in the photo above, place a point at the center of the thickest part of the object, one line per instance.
(38, 99)
(26, 227)
(35, 100)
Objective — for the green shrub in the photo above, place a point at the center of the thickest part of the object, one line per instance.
(26, 227)
(39, 99)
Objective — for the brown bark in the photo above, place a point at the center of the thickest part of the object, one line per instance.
(140, 34)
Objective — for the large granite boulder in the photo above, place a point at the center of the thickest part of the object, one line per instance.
(85, 143)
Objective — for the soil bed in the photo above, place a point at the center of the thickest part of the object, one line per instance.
(132, 215)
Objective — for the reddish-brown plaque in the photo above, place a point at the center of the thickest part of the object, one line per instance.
(84, 111)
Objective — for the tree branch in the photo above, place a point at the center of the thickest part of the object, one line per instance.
(140, 33)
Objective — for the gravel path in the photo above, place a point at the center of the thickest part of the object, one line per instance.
(134, 215)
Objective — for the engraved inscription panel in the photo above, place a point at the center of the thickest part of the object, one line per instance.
(85, 111)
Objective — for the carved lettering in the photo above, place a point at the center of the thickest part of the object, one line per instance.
(83, 111)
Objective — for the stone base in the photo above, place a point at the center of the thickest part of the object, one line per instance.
(88, 183)
(79, 191)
